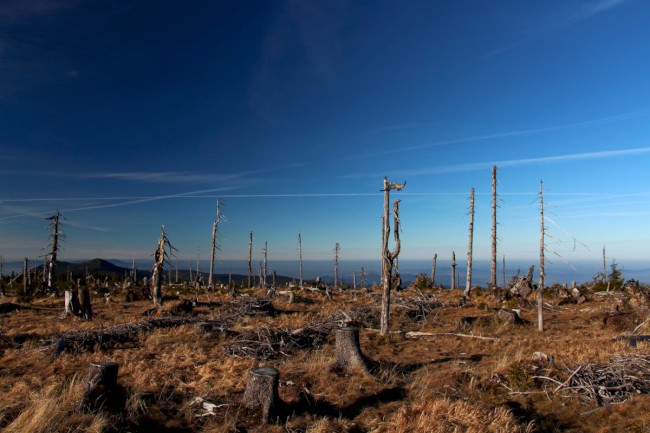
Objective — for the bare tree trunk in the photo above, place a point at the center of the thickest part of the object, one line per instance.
(337, 248)
(363, 278)
(250, 257)
(604, 266)
(300, 256)
(213, 250)
(388, 257)
(189, 265)
(156, 275)
(354, 280)
(26, 276)
(493, 268)
(433, 270)
(264, 272)
(468, 283)
(540, 288)
(51, 275)
(453, 270)
(503, 270)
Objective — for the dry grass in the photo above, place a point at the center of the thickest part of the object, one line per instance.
(442, 384)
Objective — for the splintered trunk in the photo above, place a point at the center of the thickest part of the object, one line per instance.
(337, 248)
(300, 256)
(250, 258)
(493, 267)
(540, 287)
(156, 275)
(453, 270)
(388, 257)
(102, 381)
(468, 283)
(433, 270)
(213, 250)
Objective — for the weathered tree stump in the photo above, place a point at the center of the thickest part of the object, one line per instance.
(348, 350)
(102, 381)
(203, 327)
(71, 299)
(86, 307)
(262, 391)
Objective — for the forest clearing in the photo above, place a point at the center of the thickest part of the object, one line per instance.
(448, 363)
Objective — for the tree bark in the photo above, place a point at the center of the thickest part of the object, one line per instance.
(300, 256)
(262, 391)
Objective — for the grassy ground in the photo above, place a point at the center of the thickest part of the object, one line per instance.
(440, 383)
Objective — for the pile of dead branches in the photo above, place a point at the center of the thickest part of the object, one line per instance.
(268, 343)
(105, 338)
(625, 376)
(250, 306)
(417, 307)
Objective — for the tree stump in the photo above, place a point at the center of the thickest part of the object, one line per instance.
(102, 381)
(86, 307)
(262, 391)
(203, 327)
(348, 350)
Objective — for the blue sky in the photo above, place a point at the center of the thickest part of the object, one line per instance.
(127, 115)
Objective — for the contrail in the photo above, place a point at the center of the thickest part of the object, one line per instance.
(520, 162)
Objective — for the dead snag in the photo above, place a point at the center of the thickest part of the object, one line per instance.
(493, 260)
(102, 381)
(468, 283)
(348, 350)
(262, 391)
(540, 287)
(388, 257)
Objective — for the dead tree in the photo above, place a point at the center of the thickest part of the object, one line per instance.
(453, 270)
(72, 305)
(468, 283)
(503, 271)
(363, 278)
(493, 267)
(250, 258)
(54, 249)
(354, 280)
(604, 266)
(300, 256)
(215, 242)
(433, 270)
(388, 257)
(160, 258)
(337, 249)
(262, 391)
(540, 287)
(26, 276)
(264, 268)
